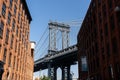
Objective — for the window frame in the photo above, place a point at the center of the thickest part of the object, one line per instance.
(4, 10)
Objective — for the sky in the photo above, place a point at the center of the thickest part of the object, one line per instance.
(43, 11)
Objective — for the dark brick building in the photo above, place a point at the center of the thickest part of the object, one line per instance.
(99, 41)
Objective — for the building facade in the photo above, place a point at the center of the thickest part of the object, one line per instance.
(99, 41)
(15, 47)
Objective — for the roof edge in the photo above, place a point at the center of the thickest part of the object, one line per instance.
(26, 10)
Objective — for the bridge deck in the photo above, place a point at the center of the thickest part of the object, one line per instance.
(66, 56)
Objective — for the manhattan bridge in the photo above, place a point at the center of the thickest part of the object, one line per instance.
(54, 59)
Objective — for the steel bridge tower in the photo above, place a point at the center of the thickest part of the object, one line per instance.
(53, 28)
(64, 30)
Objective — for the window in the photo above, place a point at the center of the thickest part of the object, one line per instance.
(7, 36)
(11, 3)
(118, 17)
(26, 47)
(7, 75)
(94, 66)
(110, 4)
(22, 38)
(19, 49)
(14, 62)
(98, 77)
(101, 35)
(95, 32)
(4, 55)
(110, 72)
(94, 20)
(104, 11)
(106, 29)
(100, 18)
(11, 44)
(96, 47)
(21, 23)
(99, 2)
(9, 18)
(1, 29)
(0, 47)
(20, 35)
(84, 63)
(112, 23)
(93, 53)
(114, 45)
(17, 65)
(15, 8)
(27, 35)
(3, 10)
(93, 5)
(13, 25)
(16, 31)
(103, 53)
(9, 61)
(108, 49)
(16, 45)
(19, 17)
(117, 69)
(97, 62)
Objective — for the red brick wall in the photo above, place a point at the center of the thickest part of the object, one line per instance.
(16, 66)
(99, 40)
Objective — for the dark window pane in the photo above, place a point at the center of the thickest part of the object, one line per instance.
(11, 3)
(13, 25)
(4, 55)
(7, 36)
(11, 44)
(110, 4)
(15, 8)
(106, 29)
(112, 23)
(9, 18)
(114, 45)
(1, 29)
(110, 72)
(84, 63)
(104, 11)
(117, 70)
(3, 10)
(108, 50)
(9, 61)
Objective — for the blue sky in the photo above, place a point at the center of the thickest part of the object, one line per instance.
(42, 11)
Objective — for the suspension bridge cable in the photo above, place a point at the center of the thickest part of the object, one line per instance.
(43, 52)
(41, 55)
(41, 45)
(46, 47)
(73, 22)
(41, 37)
(79, 20)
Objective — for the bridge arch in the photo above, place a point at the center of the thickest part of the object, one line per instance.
(59, 73)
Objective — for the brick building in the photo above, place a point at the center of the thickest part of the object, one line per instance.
(15, 47)
(99, 41)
